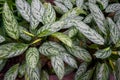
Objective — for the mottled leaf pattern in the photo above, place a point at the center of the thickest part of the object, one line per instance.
(113, 7)
(58, 66)
(24, 9)
(32, 57)
(37, 9)
(10, 22)
(49, 14)
(105, 53)
(2, 39)
(12, 49)
(11, 74)
(63, 38)
(81, 70)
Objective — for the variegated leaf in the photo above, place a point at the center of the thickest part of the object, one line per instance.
(118, 23)
(10, 23)
(24, 9)
(32, 57)
(80, 53)
(50, 28)
(32, 73)
(88, 18)
(81, 70)
(12, 49)
(49, 14)
(113, 7)
(79, 3)
(73, 13)
(11, 74)
(51, 49)
(23, 35)
(87, 75)
(2, 64)
(114, 31)
(117, 15)
(44, 75)
(104, 3)
(68, 4)
(88, 32)
(104, 53)
(37, 9)
(2, 39)
(98, 16)
(118, 69)
(60, 8)
(22, 69)
(103, 72)
(63, 38)
(69, 59)
(58, 66)
(92, 1)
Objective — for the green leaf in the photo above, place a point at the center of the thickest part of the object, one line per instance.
(12, 49)
(2, 39)
(10, 22)
(24, 9)
(11, 74)
(103, 72)
(104, 53)
(32, 57)
(63, 38)
(2, 64)
(114, 31)
(58, 66)
(49, 14)
(113, 7)
(118, 69)
(80, 53)
(81, 70)
(37, 10)
(22, 69)
(51, 49)
(44, 75)
(79, 3)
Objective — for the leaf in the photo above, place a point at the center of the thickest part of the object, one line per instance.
(11, 74)
(118, 23)
(87, 75)
(117, 16)
(10, 22)
(73, 13)
(2, 64)
(79, 3)
(24, 9)
(23, 35)
(104, 53)
(103, 72)
(44, 75)
(32, 73)
(22, 69)
(50, 28)
(32, 57)
(51, 49)
(58, 66)
(2, 39)
(63, 38)
(113, 7)
(49, 14)
(98, 16)
(88, 32)
(104, 3)
(68, 4)
(118, 69)
(88, 18)
(114, 31)
(81, 70)
(37, 9)
(80, 53)
(92, 1)
(12, 49)
(69, 60)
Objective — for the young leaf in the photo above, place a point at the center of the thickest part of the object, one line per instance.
(12, 49)
(58, 66)
(44, 75)
(24, 8)
(113, 7)
(37, 9)
(49, 14)
(80, 53)
(32, 57)
(63, 38)
(11, 74)
(10, 22)
(81, 70)
(2, 39)
(105, 53)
